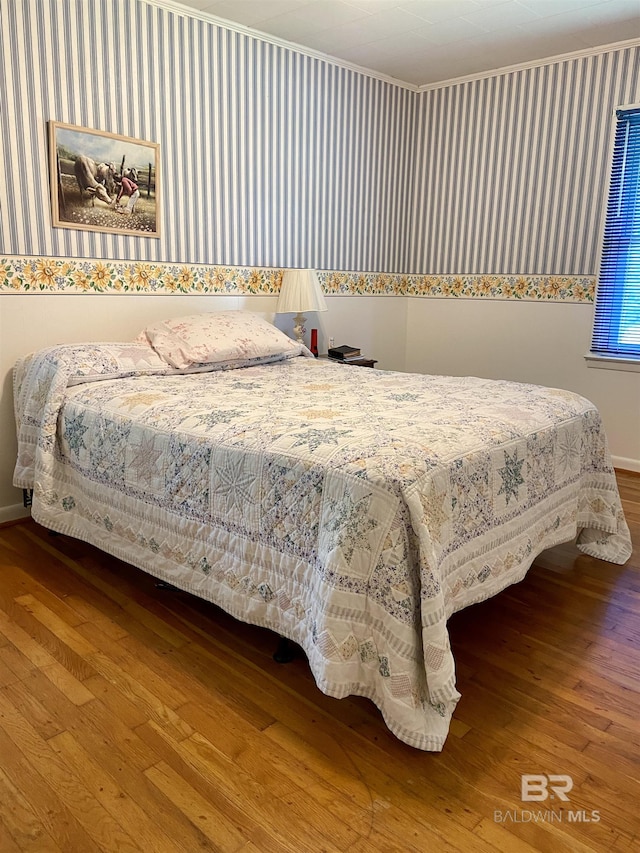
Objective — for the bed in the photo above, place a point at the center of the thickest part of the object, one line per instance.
(352, 511)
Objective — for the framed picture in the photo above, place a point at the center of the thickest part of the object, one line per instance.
(101, 181)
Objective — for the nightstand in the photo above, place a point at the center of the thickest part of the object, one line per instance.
(362, 362)
(356, 362)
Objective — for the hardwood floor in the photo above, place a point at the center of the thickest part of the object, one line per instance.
(135, 719)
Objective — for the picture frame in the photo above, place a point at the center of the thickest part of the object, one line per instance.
(103, 181)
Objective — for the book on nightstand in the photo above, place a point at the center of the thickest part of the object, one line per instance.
(343, 353)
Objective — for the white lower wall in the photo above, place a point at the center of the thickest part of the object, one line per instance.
(537, 342)
(29, 322)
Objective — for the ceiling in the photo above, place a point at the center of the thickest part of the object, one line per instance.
(422, 42)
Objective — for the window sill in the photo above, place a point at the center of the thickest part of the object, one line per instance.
(609, 362)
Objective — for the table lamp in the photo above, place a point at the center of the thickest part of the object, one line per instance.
(300, 291)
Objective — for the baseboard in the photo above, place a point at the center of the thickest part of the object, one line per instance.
(11, 513)
(624, 464)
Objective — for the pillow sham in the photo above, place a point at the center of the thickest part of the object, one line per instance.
(219, 337)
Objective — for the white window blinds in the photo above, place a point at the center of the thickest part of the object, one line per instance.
(616, 330)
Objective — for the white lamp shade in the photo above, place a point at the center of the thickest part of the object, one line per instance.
(300, 291)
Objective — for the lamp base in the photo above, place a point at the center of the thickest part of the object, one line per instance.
(298, 327)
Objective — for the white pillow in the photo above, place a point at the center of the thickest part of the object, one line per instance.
(219, 337)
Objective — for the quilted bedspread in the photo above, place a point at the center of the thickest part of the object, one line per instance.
(351, 510)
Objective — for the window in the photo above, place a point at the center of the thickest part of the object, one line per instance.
(616, 330)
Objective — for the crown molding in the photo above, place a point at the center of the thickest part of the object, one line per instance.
(179, 8)
(534, 63)
(188, 11)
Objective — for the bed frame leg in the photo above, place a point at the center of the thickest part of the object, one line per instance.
(285, 652)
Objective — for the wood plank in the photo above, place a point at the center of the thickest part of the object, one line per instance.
(104, 788)
(26, 697)
(53, 815)
(7, 675)
(393, 812)
(119, 588)
(58, 626)
(238, 792)
(125, 757)
(41, 657)
(141, 694)
(61, 653)
(198, 809)
(81, 803)
(18, 664)
(7, 842)
(21, 821)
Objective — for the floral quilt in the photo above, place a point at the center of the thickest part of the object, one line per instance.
(351, 510)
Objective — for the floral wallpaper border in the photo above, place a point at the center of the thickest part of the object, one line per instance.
(80, 275)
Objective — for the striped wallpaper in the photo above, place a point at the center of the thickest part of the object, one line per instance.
(511, 170)
(272, 158)
(269, 157)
